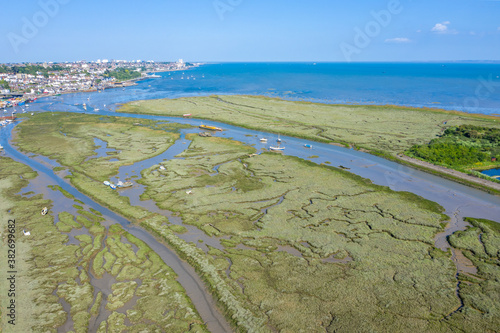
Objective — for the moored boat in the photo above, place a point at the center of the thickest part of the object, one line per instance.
(271, 148)
(308, 145)
(211, 128)
(45, 210)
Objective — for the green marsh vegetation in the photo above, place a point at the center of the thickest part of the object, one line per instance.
(390, 129)
(144, 293)
(309, 247)
(314, 248)
(69, 138)
(480, 292)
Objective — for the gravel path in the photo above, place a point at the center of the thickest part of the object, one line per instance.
(452, 172)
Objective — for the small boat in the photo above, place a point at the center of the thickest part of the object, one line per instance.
(263, 140)
(186, 115)
(308, 145)
(45, 210)
(162, 167)
(106, 183)
(279, 139)
(96, 109)
(211, 128)
(113, 186)
(271, 148)
(26, 233)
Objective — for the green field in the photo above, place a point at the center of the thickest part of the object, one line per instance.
(306, 247)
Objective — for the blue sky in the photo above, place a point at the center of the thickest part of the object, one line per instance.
(250, 30)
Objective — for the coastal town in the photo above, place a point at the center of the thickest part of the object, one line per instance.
(25, 82)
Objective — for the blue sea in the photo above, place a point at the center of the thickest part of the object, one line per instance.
(469, 87)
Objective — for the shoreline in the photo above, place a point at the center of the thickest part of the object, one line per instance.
(125, 83)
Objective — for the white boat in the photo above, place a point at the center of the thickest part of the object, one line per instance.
(96, 109)
(26, 233)
(162, 167)
(279, 140)
(271, 148)
(122, 184)
(263, 140)
(45, 210)
(106, 183)
(1, 147)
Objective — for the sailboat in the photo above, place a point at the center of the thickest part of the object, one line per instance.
(279, 140)
(277, 148)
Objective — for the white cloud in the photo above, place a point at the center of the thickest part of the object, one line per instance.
(398, 40)
(442, 28)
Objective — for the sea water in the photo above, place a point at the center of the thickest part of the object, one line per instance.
(469, 87)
